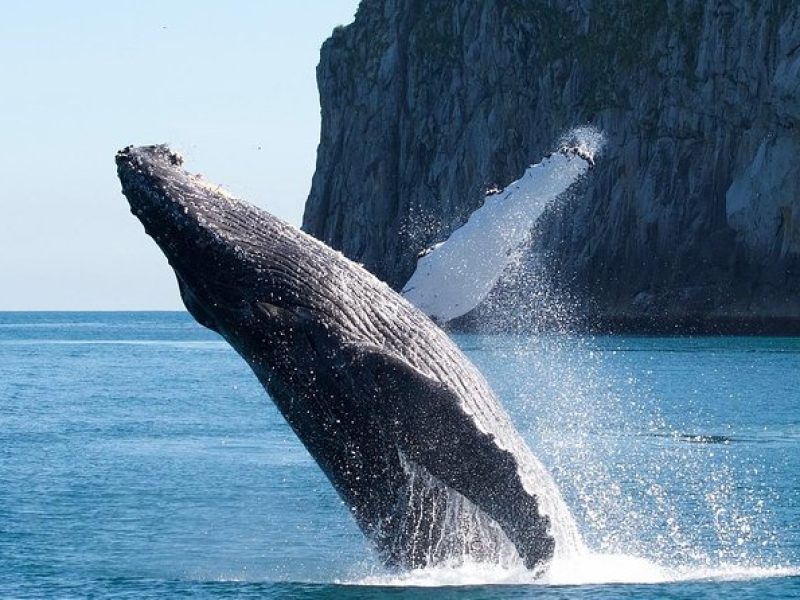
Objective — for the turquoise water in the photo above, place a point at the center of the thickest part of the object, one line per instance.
(140, 458)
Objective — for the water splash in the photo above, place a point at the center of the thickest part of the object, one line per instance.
(588, 569)
(654, 504)
(633, 486)
(613, 454)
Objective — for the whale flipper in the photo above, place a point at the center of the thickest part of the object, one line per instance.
(456, 275)
(433, 431)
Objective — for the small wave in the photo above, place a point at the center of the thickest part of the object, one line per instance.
(769, 437)
(588, 569)
(698, 438)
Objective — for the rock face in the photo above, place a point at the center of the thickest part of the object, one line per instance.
(691, 218)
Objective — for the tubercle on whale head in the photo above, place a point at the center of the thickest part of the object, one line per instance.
(129, 152)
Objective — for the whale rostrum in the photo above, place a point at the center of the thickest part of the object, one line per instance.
(403, 425)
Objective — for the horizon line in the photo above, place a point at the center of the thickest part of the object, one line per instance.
(93, 310)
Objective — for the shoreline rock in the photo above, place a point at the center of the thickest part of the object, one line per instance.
(692, 213)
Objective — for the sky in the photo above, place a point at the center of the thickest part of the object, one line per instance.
(231, 85)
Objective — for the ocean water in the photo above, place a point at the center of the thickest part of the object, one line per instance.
(139, 457)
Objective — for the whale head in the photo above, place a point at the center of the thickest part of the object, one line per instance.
(237, 267)
(294, 309)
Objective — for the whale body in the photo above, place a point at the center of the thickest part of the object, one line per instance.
(403, 425)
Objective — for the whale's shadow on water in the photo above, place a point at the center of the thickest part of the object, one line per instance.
(404, 426)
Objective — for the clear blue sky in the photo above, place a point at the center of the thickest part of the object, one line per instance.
(229, 84)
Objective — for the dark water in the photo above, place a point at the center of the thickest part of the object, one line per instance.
(140, 458)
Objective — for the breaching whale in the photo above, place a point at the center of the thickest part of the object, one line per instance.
(403, 425)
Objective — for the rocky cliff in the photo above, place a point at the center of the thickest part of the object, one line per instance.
(691, 217)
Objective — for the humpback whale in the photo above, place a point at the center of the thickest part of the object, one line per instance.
(406, 429)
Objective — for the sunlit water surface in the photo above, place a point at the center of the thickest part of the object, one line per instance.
(140, 457)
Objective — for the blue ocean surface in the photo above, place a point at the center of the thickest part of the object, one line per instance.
(139, 457)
